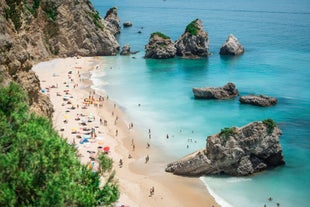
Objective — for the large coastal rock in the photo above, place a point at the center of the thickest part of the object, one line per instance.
(34, 31)
(235, 151)
(194, 42)
(231, 47)
(160, 46)
(226, 92)
(258, 100)
(112, 21)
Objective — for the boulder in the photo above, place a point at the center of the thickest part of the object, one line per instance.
(194, 42)
(235, 151)
(226, 92)
(231, 46)
(127, 24)
(160, 46)
(125, 50)
(258, 100)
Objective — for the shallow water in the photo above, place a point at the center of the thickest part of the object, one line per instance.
(276, 63)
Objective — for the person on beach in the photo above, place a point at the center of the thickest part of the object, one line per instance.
(148, 145)
(120, 163)
(116, 132)
(152, 191)
(147, 158)
(167, 136)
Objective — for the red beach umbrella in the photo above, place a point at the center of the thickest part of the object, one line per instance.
(106, 149)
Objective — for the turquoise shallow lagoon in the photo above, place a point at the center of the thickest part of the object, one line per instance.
(276, 63)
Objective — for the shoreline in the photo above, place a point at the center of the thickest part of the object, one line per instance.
(135, 177)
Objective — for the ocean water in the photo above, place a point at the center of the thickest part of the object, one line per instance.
(276, 62)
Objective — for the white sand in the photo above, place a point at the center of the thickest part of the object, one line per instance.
(136, 177)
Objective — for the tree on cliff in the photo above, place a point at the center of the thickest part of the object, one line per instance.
(38, 168)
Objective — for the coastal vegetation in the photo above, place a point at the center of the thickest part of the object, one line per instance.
(227, 132)
(270, 124)
(159, 34)
(38, 167)
(192, 28)
(95, 16)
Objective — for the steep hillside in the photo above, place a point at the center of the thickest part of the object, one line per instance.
(33, 30)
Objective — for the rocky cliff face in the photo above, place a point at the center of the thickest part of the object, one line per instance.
(34, 30)
(226, 92)
(194, 42)
(235, 151)
(160, 46)
(231, 46)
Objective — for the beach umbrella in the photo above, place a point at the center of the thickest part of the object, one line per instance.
(106, 149)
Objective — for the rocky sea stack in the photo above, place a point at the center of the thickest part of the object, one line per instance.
(235, 151)
(226, 92)
(258, 100)
(160, 46)
(194, 42)
(232, 47)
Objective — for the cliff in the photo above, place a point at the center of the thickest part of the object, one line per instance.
(235, 151)
(34, 30)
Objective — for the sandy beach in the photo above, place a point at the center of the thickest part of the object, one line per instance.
(92, 121)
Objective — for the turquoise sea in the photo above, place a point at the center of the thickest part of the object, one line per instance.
(276, 62)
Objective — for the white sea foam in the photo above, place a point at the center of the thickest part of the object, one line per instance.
(222, 202)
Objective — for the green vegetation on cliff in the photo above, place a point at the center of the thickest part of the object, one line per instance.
(192, 28)
(270, 124)
(226, 133)
(38, 168)
(159, 34)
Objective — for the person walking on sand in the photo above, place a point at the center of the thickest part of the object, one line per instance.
(147, 158)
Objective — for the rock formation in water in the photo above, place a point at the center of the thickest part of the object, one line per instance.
(31, 31)
(125, 50)
(235, 151)
(112, 22)
(160, 46)
(226, 92)
(258, 100)
(232, 47)
(194, 42)
(127, 24)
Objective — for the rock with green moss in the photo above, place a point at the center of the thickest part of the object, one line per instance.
(235, 151)
(160, 46)
(194, 42)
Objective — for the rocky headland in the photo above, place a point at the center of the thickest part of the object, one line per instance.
(232, 47)
(160, 46)
(31, 31)
(226, 92)
(258, 100)
(235, 151)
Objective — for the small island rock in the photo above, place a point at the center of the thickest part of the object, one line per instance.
(127, 24)
(160, 46)
(231, 47)
(194, 42)
(125, 50)
(258, 100)
(226, 92)
(235, 151)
